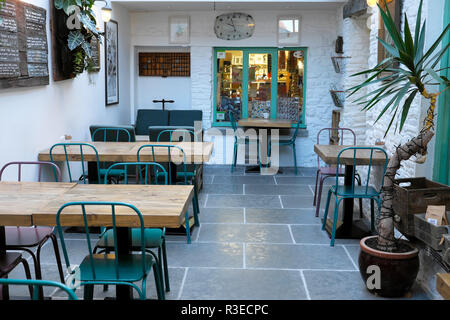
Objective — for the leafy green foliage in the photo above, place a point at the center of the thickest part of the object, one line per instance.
(79, 40)
(407, 70)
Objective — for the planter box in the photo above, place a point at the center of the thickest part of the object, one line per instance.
(429, 233)
(446, 251)
(415, 198)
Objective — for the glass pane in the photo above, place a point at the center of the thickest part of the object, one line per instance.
(290, 84)
(229, 84)
(259, 84)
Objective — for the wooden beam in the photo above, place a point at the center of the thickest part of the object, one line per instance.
(443, 285)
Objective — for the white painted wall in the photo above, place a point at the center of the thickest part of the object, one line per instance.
(319, 30)
(32, 119)
(158, 88)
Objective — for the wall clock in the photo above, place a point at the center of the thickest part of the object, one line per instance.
(234, 26)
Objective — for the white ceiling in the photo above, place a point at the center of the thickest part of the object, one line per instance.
(206, 5)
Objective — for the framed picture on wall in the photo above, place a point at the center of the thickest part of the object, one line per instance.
(288, 30)
(111, 62)
(179, 29)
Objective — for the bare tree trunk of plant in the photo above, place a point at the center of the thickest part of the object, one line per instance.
(386, 239)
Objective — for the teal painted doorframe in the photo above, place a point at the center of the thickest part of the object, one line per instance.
(441, 168)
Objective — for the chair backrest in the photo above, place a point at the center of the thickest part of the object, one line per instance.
(178, 150)
(84, 206)
(177, 134)
(340, 132)
(39, 283)
(158, 171)
(83, 167)
(40, 164)
(371, 150)
(110, 134)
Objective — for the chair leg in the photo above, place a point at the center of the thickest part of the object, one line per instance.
(325, 215)
(319, 195)
(158, 282)
(57, 256)
(234, 157)
(196, 206)
(88, 292)
(315, 188)
(361, 214)
(26, 267)
(372, 215)
(295, 158)
(158, 263)
(188, 227)
(335, 218)
(166, 268)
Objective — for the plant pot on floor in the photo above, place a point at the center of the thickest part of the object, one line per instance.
(397, 271)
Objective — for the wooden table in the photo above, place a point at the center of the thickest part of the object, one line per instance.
(34, 203)
(196, 152)
(328, 153)
(259, 124)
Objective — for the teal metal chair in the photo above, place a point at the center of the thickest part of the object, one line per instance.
(36, 284)
(288, 141)
(112, 134)
(237, 140)
(173, 149)
(360, 192)
(84, 175)
(111, 269)
(154, 237)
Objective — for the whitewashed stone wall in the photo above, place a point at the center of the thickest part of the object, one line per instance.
(319, 30)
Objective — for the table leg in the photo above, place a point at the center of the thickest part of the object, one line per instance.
(123, 292)
(4, 291)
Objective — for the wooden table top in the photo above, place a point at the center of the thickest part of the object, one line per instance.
(160, 205)
(265, 123)
(34, 203)
(196, 152)
(329, 153)
(18, 200)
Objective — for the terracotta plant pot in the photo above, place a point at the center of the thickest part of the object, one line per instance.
(397, 271)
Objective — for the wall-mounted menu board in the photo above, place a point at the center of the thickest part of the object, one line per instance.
(23, 45)
(165, 64)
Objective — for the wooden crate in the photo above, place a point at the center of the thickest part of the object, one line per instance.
(446, 250)
(415, 198)
(443, 285)
(429, 233)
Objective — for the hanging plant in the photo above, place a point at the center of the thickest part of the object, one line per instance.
(82, 24)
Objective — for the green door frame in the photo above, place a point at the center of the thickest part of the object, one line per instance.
(441, 168)
(274, 89)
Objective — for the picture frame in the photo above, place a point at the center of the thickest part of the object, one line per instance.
(111, 62)
(179, 29)
(288, 30)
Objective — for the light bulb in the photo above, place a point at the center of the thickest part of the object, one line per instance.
(106, 14)
(372, 3)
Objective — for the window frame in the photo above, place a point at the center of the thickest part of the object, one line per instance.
(274, 97)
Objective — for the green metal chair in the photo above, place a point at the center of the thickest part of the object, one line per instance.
(237, 140)
(107, 134)
(360, 192)
(36, 284)
(288, 141)
(154, 237)
(172, 149)
(111, 269)
(84, 175)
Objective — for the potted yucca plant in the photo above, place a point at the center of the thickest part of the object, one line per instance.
(412, 71)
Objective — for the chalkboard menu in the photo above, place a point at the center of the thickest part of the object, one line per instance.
(23, 45)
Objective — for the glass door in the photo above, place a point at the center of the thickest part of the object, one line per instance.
(260, 65)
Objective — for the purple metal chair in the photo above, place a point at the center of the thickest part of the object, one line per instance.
(327, 172)
(23, 238)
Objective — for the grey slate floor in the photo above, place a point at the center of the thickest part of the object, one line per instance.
(258, 239)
